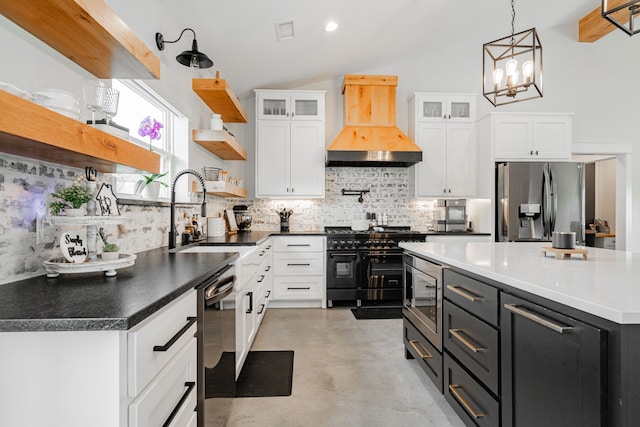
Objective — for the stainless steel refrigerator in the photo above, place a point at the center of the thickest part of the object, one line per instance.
(533, 199)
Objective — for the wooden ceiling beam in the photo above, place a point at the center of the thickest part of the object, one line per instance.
(593, 26)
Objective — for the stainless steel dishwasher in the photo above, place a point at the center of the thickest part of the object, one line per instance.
(216, 339)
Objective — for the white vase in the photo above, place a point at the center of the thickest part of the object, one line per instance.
(75, 212)
(151, 191)
(110, 256)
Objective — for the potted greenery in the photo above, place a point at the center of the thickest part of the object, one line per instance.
(110, 251)
(150, 185)
(70, 200)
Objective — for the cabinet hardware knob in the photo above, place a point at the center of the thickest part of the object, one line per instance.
(536, 152)
(458, 335)
(464, 293)
(454, 389)
(538, 319)
(414, 344)
(531, 152)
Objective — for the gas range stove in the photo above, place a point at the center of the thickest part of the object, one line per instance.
(388, 238)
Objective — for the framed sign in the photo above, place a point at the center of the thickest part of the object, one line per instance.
(231, 220)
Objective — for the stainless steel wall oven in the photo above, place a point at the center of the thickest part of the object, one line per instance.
(423, 297)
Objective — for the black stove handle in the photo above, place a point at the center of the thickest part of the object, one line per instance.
(331, 255)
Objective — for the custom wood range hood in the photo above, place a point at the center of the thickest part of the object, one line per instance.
(370, 136)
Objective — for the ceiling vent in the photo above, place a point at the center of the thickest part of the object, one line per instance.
(284, 30)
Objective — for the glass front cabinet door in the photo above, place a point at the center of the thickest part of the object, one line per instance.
(442, 107)
(290, 106)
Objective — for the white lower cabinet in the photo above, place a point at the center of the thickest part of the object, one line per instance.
(253, 297)
(103, 378)
(299, 271)
(162, 366)
(170, 399)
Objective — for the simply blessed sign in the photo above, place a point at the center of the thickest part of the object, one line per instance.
(73, 244)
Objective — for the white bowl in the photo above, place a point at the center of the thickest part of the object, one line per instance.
(56, 98)
(8, 87)
(72, 114)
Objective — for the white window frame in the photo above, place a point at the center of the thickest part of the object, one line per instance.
(169, 155)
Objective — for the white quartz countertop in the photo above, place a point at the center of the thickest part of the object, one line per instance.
(606, 284)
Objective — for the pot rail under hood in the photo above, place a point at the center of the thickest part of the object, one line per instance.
(370, 136)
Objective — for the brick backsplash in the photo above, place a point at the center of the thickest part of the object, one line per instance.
(26, 183)
(388, 193)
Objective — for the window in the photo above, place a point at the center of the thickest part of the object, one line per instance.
(138, 101)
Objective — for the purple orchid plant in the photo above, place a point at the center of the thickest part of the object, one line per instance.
(151, 128)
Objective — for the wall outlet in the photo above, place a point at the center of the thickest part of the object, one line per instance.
(45, 232)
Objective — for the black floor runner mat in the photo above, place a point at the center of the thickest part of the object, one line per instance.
(265, 373)
(364, 313)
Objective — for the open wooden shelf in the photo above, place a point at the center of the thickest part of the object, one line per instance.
(219, 97)
(30, 130)
(220, 143)
(89, 33)
(224, 189)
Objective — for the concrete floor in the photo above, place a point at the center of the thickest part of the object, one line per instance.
(347, 372)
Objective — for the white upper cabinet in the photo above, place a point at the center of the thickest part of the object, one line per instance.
(290, 145)
(531, 137)
(448, 168)
(285, 105)
(442, 107)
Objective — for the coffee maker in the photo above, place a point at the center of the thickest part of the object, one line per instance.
(243, 219)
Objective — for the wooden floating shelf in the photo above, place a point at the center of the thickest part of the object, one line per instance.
(224, 189)
(30, 130)
(220, 143)
(219, 97)
(89, 33)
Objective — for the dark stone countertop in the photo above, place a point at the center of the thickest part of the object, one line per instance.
(246, 238)
(91, 301)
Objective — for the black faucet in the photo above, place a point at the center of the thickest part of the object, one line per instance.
(203, 212)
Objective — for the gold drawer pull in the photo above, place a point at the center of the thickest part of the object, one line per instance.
(538, 319)
(454, 389)
(463, 294)
(414, 344)
(457, 333)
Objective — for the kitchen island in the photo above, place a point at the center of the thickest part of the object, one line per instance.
(529, 339)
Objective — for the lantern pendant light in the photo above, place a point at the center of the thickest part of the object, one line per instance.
(501, 61)
(623, 15)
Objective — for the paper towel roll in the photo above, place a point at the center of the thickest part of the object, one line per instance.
(215, 226)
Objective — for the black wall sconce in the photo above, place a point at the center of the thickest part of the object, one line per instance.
(190, 58)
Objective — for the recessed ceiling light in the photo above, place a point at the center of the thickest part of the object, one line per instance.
(331, 26)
